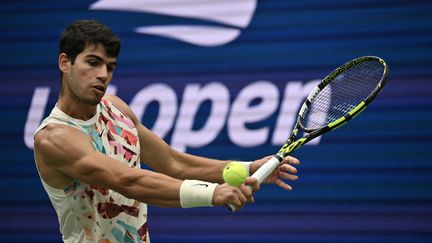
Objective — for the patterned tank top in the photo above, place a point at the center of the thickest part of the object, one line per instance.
(88, 213)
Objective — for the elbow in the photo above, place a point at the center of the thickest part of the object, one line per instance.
(175, 168)
(126, 185)
(176, 171)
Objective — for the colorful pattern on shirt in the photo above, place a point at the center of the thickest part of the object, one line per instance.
(105, 215)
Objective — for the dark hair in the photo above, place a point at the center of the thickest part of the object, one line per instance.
(81, 33)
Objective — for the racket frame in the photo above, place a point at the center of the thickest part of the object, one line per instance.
(293, 143)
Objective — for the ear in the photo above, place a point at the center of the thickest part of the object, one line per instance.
(64, 63)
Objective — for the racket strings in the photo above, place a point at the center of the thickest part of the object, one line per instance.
(343, 94)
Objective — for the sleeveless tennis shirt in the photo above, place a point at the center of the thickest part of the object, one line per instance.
(88, 213)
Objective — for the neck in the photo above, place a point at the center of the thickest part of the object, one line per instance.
(76, 109)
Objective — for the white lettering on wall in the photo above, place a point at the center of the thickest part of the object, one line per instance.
(167, 99)
(242, 113)
(194, 95)
(255, 103)
(35, 114)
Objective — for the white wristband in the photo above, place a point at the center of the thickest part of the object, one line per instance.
(194, 193)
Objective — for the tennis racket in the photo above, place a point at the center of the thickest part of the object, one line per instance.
(338, 98)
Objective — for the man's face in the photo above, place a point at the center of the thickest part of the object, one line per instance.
(89, 76)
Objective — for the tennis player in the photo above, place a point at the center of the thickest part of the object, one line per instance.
(89, 149)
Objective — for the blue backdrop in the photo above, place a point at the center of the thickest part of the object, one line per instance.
(368, 181)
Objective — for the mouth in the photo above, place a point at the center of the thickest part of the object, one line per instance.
(99, 88)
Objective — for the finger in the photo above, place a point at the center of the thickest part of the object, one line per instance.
(283, 185)
(288, 168)
(251, 200)
(287, 176)
(247, 192)
(274, 176)
(234, 200)
(253, 183)
(291, 160)
(240, 196)
(260, 162)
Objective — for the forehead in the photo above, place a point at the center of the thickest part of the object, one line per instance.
(98, 50)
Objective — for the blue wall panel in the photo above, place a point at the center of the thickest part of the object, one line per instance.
(368, 181)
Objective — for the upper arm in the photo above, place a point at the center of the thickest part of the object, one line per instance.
(76, 157)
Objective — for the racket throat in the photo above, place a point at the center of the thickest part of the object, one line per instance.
(279, 157)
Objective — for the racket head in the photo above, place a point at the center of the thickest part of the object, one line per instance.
(338, 98)
(343, 94)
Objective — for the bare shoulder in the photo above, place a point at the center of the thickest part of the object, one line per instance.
(123, 107)
(50, 136)
(56, 140)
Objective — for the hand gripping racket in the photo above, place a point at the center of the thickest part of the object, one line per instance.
(340, 96)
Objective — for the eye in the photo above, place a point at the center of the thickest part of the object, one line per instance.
(110, 68)
(93, 62)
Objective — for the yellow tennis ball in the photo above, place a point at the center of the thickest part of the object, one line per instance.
(234, 174)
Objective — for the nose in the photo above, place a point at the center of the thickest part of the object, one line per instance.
(103, 73)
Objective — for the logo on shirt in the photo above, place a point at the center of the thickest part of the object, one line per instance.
(101, 133)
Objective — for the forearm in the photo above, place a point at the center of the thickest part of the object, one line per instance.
(164, 191)
(187, 166)
(151, 188)
(162, 158)
(199, 168)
